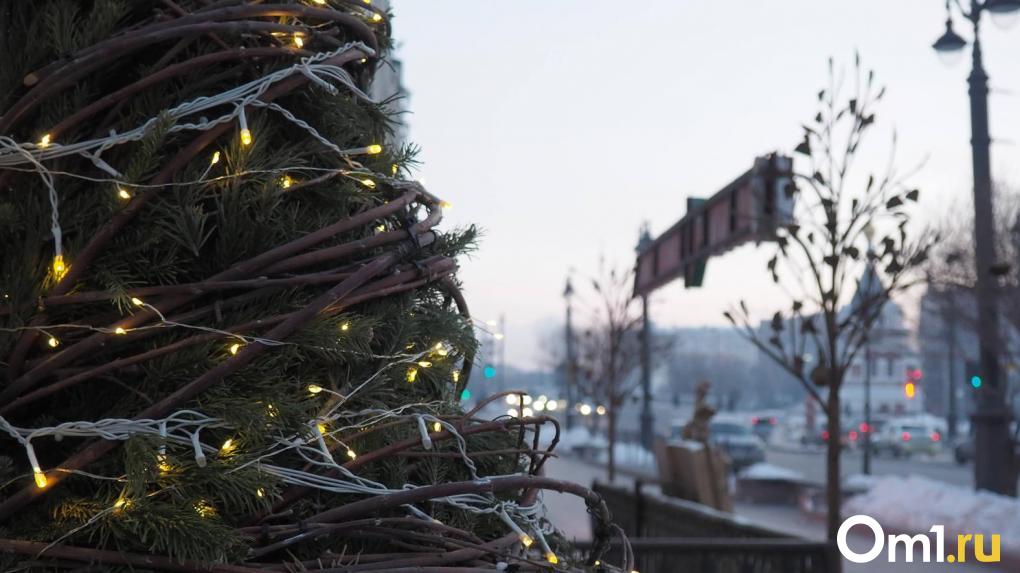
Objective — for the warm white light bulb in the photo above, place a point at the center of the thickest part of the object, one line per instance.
(246, 138)
(44, 142)
(374, 149)
(299, 41)
(119, 330)
(234, 348)
(137, 301)
(314, 388)
(526, 540)
(53, 342)
(228, 446)
(123, 193)
(215, 158)
(412, 374)
(351, 454)
(40, 478)
(59, 267)
(368, 183)
(345, 326)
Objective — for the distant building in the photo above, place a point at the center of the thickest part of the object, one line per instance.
(388, 85)
(893, 360)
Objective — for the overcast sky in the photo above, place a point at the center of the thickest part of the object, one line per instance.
(559, 126)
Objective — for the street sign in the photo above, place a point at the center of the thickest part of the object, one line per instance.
(748, 209)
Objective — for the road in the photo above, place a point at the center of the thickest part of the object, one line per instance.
(812, 466)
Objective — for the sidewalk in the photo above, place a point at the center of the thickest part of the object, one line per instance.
(570, 516)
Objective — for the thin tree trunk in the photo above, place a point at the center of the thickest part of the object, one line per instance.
(833, 494)
(612, 441)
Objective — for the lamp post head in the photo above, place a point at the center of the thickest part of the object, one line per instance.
(1004, 12)
(949, 45)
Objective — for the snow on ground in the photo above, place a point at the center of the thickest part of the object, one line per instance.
(914, 504)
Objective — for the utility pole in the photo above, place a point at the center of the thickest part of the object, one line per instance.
(866, 459)
(571, 365)
(950, 329)
(647, 417)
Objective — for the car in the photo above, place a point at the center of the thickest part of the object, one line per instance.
(963, 449)
(905, 438)
(743, 446)
(763, 426)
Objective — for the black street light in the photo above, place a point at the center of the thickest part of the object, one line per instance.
(647, 417)
(571, 362)
(993, 468)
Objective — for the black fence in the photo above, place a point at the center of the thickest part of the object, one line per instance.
(669, 534)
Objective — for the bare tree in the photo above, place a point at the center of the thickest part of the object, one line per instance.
(838, 279)
(951, 277)
(608, 349)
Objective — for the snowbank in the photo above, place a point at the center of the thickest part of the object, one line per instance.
(914, 504)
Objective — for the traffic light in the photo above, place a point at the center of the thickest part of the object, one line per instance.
(972, 370)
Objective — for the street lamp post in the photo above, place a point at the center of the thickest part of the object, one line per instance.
(866, 458)
(571, 365)
(993, 451)
(647, 417)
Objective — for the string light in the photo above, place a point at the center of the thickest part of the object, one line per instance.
(246, 138)
(162, 464)
(205, 509)
(322, 428)
(53, 342)
(59, 267)
(298, 41)
(425, 364)
(286, 182)
(368, 183)
(380, 228)
(551, 558)
(234, 348)
(314, 388)
(37, 473)
(45, 141)
(345, 326)
(456, 375)
(374, 149)
(137, 301)
(412, 374)
(260, 492)
(228, 446)
(119, 330)
(437, 427)
(351, 454)
(526, 540)
(394, 169)
(377, 17)
(121, 503)
(123, 193)
(215, 158)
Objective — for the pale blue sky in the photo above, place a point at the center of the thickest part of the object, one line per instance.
(559, 126)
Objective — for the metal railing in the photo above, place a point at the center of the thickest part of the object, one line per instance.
(670, 534)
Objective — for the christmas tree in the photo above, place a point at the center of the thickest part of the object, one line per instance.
(231, 337)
